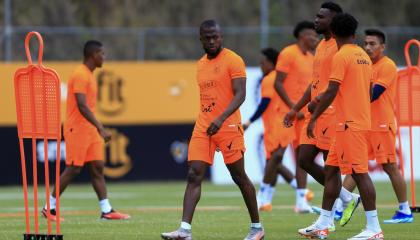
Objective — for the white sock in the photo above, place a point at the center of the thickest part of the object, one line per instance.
(262, 193)
(185, 225)
(105, 206)
(256, 225)
(345, 196)
(372, 222)
(269, 194)
(405, 208)
(300, 195)
(323, 221)
(293, 183)
(53, 203)
(338, 205)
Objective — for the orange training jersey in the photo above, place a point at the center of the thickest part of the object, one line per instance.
(298, 66)
(214, 78)
(352, 68)
(382, 109)
(80, 81)
(324, 54)
(268, 91)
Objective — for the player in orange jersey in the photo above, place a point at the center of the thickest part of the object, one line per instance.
(221, 78)
(311, 147)
(381, 141)
(84, 134)
(293, 72)
(349, 88)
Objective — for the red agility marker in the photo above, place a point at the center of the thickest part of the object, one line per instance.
(37, 96)
(408, 109)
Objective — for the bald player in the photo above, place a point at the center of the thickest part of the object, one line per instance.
(221, 79)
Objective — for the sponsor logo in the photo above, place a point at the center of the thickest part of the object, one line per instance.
(117, 162)
(179, 151)
(110, 93)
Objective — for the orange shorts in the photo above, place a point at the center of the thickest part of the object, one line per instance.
(324, 132)
(349, 151)
(381, 146)
(229, 141)
(280, 136)
(83, 145)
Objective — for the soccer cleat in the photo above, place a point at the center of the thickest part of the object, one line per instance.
(113, 215)
(350, 209)
(255, 234)
(400, 217)
(266, 207)
(313, 232)
(367, 234)
(303, 207)
(309, 195)
(52, 215)
(180, 234)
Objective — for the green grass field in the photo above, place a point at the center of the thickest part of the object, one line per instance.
(156, 207)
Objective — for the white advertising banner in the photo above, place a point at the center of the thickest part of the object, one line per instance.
(255, 154)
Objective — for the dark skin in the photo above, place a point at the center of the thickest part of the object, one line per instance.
(375, 49)
(211, 40)
(332, 173)
(96, 168)
(307, 153)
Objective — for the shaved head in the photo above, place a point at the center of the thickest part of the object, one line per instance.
(211, 38)
(209, 24)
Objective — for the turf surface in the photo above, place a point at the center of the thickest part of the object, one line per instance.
(156, 207)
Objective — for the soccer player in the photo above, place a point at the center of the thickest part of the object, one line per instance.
(349, 86)
(381, 140)
(221, 78)
(293, 71)
(84, 134)
(324, 131)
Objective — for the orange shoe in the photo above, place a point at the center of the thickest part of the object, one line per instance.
(309, 195)
(113, 215)
(266, 207)
(51, 215)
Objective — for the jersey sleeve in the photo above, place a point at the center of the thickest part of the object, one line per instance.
(237, 68)
(338, 68)
(285, 61)
(80, 83)
(386, 75)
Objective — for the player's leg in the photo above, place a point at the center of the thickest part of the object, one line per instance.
(200, 156)
(239, 176)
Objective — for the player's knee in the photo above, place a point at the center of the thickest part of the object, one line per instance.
(74, 171)
(305, 165)
(390, 168)
(194, 176)
(239, 177)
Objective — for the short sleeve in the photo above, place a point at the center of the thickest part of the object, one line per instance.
(285, 60)
(386, 75)
(237, 68)
(80, 83)
(267, 88)
(338, 68)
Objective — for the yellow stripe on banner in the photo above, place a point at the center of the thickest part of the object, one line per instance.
(129, 92)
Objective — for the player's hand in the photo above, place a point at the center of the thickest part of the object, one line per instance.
(214, 126)
(106, 135)
(289, 118)
(300, 116)
(310, 129)
(311, 107)
(246, 125)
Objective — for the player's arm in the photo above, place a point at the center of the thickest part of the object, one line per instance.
(239, 93)
(262, 106)
(291, 115)
(326, 100)
(88, 115)
(278, 85)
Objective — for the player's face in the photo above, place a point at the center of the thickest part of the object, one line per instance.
(99, 57)
(323, 20)
(310, 38)
(265, 65)
(211, 39)
(373, 46)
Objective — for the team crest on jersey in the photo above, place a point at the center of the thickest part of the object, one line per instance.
(217, 69)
